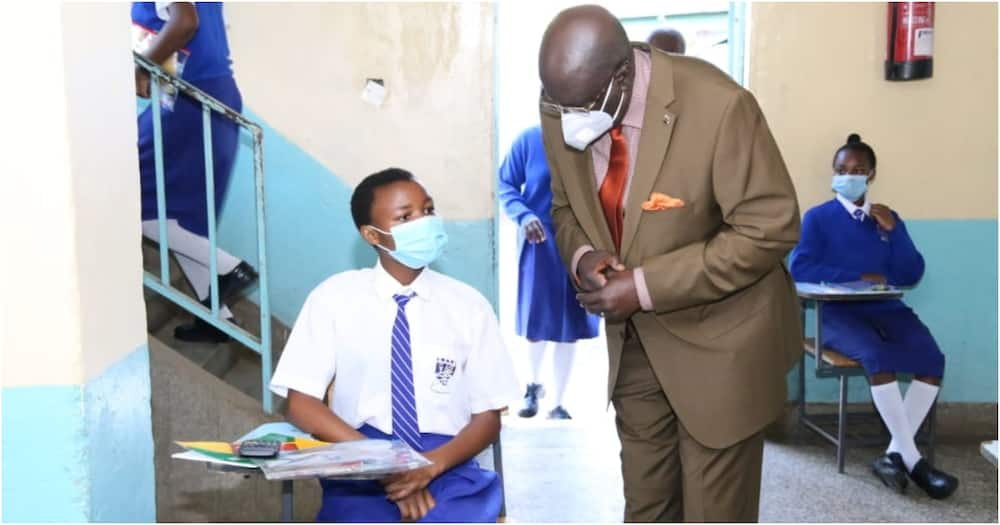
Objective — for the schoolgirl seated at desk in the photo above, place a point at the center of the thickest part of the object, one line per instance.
(417, 356)
(849, 239)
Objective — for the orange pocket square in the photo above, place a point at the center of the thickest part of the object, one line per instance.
(660, 201)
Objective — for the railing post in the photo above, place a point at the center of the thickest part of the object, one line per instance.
(265, 300)
(213, 271)
(161, 192)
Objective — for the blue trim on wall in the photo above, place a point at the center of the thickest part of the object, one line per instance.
(311, 235)
(47, 485)
(120, 442)
(957, 300)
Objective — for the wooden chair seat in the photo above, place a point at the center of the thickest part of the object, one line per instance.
(830, 357)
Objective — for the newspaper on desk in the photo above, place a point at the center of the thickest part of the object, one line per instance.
(301, 456)
(362, 459)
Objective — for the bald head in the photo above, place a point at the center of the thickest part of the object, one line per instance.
(669, 40)
(581, 49)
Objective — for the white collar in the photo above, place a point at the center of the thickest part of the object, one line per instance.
(386, 286)
(865, 208)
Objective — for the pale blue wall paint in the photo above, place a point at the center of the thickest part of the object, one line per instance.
(81, 453)
(48, 484)
(120, 442)
(310, 232)
(957, 299)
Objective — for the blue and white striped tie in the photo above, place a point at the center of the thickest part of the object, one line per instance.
(859, 215)
(404, 405)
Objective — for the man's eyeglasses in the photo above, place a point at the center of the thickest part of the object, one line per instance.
(550, 106)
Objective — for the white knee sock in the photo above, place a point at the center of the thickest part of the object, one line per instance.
(536, 354)
(195, 246)
(562, 364)
(198, 274)
(917, 403)
(889, 403)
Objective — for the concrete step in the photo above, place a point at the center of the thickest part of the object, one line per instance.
(188, 403)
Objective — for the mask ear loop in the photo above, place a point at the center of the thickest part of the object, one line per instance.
(619, 108)
(607, 93)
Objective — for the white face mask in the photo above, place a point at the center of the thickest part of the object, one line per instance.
(580, 127)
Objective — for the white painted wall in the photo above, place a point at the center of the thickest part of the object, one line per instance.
(302, 67)
(70, 286)
(817, 70)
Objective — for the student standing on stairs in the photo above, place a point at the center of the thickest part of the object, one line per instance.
(190, 41)
(416, 355)
(548, 314)
(850, 239)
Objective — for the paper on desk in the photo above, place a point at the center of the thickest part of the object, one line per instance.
(854, 287)
(361, 459)
(292, 439)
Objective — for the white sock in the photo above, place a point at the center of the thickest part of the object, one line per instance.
(889, 403)
(917, 403)
(195, 246)
(536, 354)
(562, 364)
(197, 274)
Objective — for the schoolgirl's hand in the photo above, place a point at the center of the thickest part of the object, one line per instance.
(883, 216)
(403, 485)
(416, 506)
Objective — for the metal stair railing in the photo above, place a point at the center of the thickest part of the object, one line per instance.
(161, 285)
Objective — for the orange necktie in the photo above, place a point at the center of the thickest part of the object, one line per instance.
(612, 191)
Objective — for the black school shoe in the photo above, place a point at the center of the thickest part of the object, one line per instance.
(531, 397)
(237, 281)
(559, 413)
(199, 331)
(891, 471)
(937, 484)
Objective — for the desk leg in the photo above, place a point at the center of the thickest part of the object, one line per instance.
(287, 501)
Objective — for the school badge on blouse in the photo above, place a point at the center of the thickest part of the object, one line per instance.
(444, 369)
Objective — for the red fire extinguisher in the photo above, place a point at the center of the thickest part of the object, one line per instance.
(910, 49)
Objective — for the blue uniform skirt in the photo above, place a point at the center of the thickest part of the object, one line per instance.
(547, 309)
(466, 493)
(883, 337)
(184, 155)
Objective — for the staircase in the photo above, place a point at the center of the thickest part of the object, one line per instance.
(209, 392)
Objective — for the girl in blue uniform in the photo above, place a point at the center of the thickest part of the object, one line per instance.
(193, 38)
(850, 239)
(548, 312)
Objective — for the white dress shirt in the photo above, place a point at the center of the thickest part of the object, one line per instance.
(460, 364)
(866, 207)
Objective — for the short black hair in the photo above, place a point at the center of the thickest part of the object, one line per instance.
(364, 193)
(854, 144)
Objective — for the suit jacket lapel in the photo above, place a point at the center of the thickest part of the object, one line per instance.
(657, 125)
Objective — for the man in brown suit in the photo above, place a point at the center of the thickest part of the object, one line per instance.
(674, 211)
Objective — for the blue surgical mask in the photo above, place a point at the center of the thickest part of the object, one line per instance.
(418, 242)
(850, 187)
(581, 127)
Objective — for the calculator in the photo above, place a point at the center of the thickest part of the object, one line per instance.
(259, 448)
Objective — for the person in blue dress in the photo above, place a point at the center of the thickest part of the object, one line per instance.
(190, 40)
(850, 239)
(548, 313)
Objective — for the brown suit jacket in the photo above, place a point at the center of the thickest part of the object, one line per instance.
(726, 326)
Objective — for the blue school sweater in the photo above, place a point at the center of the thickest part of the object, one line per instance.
(834, 247)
